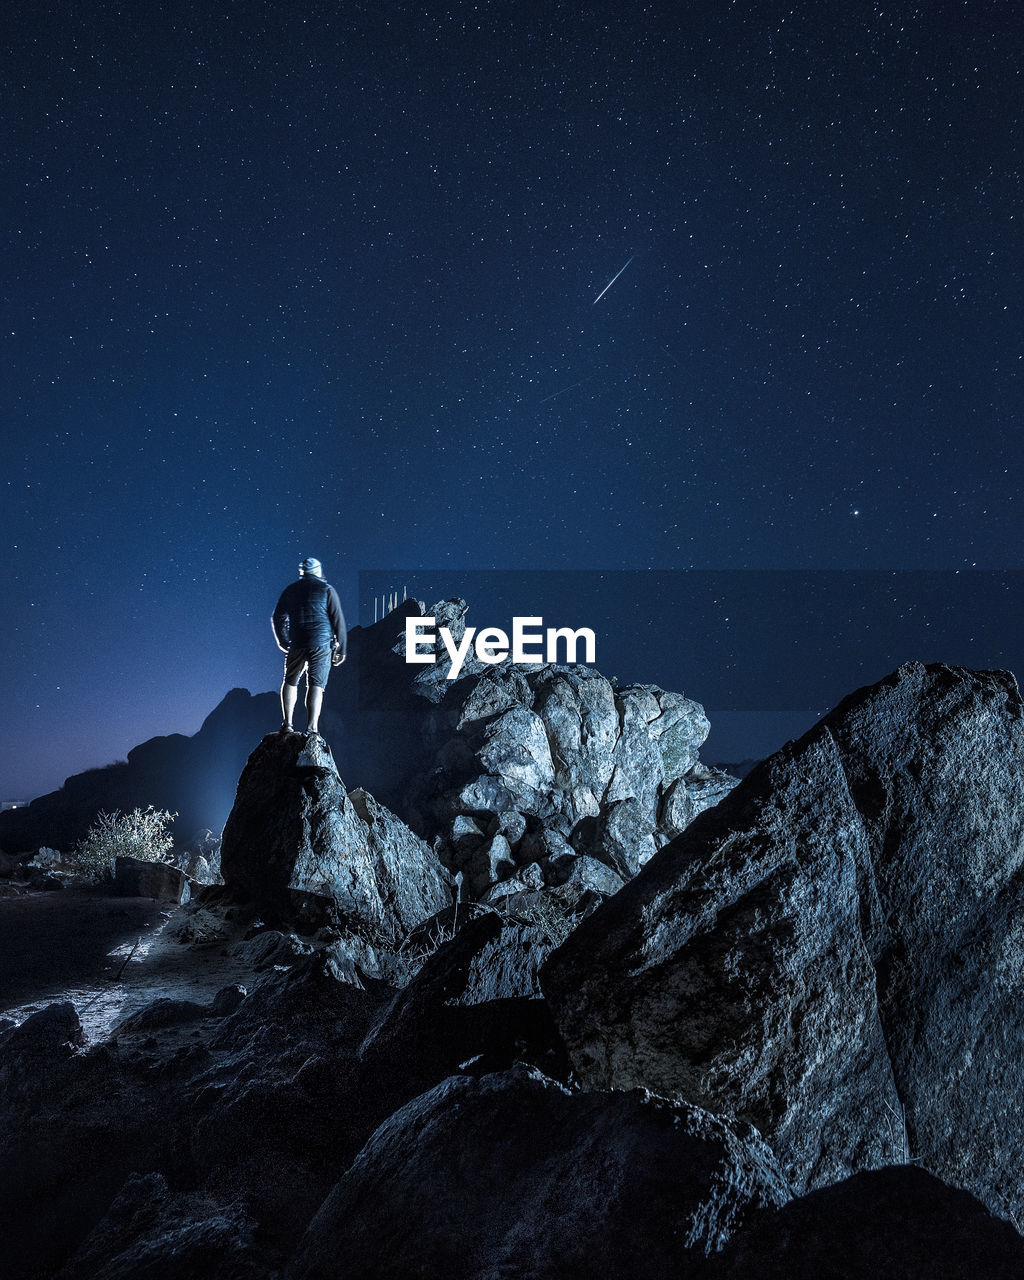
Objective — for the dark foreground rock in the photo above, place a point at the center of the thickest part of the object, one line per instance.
(262, 1103)
(151, 1233)
(474, 1003)
(836, 945)
(890, 1224)
(513, 1175)
(294, 826)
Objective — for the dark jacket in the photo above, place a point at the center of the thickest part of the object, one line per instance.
(308, 615)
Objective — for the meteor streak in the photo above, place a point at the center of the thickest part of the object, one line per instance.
(609, 285)
(562, 392)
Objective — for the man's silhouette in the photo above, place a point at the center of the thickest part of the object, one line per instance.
(309, 628)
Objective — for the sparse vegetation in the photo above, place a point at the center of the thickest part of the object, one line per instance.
(142, 833)
(549, 913)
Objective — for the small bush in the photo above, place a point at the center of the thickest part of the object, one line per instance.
(548, 913)
(143, 833)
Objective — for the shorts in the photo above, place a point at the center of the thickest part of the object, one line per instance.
(315, 662)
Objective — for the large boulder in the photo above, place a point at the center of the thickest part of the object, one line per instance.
(294, 827)
(834, 951)
(514, 1175)
(148, 878)
(889, 1224)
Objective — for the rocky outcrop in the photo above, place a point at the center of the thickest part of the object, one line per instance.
(533, 762)
(512, 1174)
(833, 952)
(501, 770)
(294, 827)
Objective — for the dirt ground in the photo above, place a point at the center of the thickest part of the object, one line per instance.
(109, 956)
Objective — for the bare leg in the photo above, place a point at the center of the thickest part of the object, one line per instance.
(289, 697)
(314, 700)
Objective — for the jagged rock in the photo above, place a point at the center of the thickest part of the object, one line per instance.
(294, 826)
(511, 825)
(891, 1224)
(838, 938)
(512, 1174)
(271, 947)
(430, 680)
(489, 694)
(574, 876)
(542, 846)
(477, 993)
(466, 834)
(488, 958)
(226, 1001)
(515, 750)
(139, 878)
(660, 736)
(353, 960)
(524, 880)
(548, 751)
(623, 837)
(481, 795)
(161, 1013)
(151, 1233)
(577, 708)
(491, 863)
(696, 791)
(45, 860)
(53, 1031)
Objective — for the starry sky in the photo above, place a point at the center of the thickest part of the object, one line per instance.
(287, 279)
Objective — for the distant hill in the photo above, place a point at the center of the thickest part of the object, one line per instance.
(192, 776)
(372, 706)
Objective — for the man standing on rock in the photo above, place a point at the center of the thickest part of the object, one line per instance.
(309, 628)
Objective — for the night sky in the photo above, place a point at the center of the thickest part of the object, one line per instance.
(284, 280)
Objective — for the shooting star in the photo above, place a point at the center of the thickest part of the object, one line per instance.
(609, 285)
(562, 392)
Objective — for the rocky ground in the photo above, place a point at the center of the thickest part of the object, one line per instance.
(576, 1005)
(109, 955)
